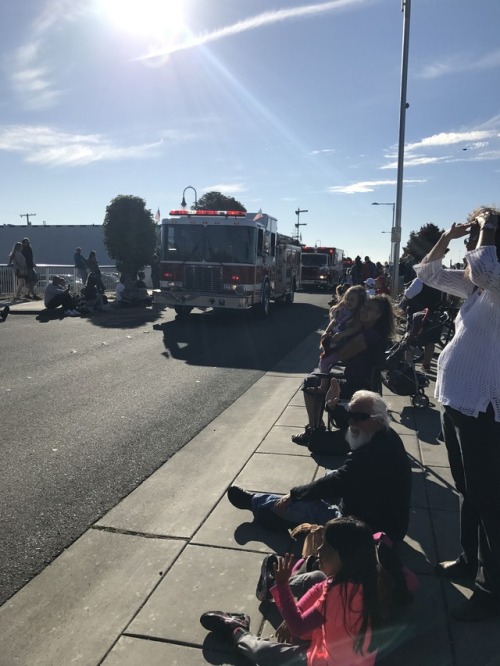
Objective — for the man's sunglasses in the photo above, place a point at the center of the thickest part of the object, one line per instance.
(358, 416)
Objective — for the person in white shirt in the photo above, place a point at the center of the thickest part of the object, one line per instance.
(468, 387)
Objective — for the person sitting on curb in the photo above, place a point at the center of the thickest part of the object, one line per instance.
(57, 295)
(361, 354)
(339, 615)
(373, 484)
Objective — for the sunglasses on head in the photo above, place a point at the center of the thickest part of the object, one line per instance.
(358, 416)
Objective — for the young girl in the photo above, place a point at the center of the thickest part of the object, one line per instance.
(344, 323)
(337, 616)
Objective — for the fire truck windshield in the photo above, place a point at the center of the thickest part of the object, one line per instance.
(314, 259)
(210, 243)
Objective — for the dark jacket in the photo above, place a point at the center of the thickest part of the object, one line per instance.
(374, 484)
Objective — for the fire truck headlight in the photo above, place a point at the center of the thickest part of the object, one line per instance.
(174, 284)
(240, 290)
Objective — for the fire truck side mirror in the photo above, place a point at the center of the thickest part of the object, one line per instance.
(260, 242)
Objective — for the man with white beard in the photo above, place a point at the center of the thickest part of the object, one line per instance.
(373, 484)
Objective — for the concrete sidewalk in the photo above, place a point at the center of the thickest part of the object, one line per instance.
(130, 591)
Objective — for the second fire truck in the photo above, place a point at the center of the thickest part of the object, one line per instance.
(321, 267)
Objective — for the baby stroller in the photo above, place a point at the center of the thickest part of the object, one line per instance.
(399, 373)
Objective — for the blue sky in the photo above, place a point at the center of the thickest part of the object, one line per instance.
(281, 104)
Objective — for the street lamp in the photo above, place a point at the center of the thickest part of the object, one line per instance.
(378, 203)
(183, 202)
(298, 225)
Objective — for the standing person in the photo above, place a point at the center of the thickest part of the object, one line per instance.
(369, 269)
(81, 265)
(18, 263)
(468, 387)
(357, 271)
(155, 271)
(338, 616)
(31, 276)
(93, 267)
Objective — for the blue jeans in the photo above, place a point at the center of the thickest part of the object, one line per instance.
(304, 511)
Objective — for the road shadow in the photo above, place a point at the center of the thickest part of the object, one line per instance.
(426, 423)
(124, 318)
(239, 340)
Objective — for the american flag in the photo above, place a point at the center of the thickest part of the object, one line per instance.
(258, 216)
(157, 215)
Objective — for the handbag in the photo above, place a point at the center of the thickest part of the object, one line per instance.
(32, 276)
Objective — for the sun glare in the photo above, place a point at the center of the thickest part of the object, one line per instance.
(144, 17)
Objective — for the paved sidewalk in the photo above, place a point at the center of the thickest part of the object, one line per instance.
(130, 591)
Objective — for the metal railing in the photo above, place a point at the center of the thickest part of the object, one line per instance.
(45, 271)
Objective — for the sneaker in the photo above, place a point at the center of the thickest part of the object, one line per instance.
(266, 578)
(71, 313)
(304, 438)
(224, 624)
(5, 313)
(241, 499)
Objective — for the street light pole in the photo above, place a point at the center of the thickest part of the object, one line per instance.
(406, 8)
(298, 225)
(183, 202)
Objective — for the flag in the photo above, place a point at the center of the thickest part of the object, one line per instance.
(157, 215)
(258, 216)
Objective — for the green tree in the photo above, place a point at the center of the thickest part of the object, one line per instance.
(421, 242)
(218, 201)
(129, 233)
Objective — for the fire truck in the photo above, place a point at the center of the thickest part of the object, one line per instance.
(225, 260)
(321, 267)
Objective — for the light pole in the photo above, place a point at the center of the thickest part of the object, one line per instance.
(298, 225)
(396, 235)
(183, 202)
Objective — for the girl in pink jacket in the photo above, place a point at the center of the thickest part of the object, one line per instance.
(336, 618)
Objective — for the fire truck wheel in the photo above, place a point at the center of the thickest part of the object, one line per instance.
(262, 308)
(182, 311)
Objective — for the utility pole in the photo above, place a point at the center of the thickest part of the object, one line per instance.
(27, 216)
(298, 225)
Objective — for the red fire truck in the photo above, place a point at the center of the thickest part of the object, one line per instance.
(226, 260)
(321, 267)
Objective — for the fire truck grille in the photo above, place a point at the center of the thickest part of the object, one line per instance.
(203, 278)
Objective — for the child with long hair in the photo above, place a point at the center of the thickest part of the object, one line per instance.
(337, 616)
(344, 323)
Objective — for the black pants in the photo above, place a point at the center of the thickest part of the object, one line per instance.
(63, 299)
(473, 446)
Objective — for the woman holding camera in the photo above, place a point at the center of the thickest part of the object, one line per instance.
(468, 387)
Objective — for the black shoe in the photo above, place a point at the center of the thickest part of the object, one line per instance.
(455, 569)
(266, 578)
(241, 499)
(224, 624)
(474, 610)
(36, 298)
(5, 313)
(305, 437)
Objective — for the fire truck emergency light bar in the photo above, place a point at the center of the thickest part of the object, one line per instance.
(328, 250)
(227, 213)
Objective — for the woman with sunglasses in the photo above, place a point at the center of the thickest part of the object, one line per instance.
(468, 387)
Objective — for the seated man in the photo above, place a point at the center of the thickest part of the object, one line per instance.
(57, 295)
(373, 484)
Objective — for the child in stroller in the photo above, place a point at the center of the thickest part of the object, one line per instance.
(399, 374)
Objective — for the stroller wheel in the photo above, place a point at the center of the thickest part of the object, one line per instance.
(420, 401)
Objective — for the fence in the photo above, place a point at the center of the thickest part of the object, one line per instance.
(45, 271)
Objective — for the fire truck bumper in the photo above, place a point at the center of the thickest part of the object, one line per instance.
(202, 301)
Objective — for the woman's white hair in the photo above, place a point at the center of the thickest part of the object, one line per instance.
(378, 407)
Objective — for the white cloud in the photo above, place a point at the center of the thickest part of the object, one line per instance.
(362, 187)
(51, 147)
(321, 152)
(458, 63)
(451, 138)
(259, 21)
(226, 188)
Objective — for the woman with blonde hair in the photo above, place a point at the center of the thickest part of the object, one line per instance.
(18, 263)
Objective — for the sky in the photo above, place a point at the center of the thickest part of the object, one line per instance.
(283, 104)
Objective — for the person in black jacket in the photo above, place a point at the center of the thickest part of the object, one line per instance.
(373, 484)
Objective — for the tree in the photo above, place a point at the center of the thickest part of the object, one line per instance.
(129, 233)
(218, 201)
(422, 241)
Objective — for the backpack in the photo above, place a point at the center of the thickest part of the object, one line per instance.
(400, 582)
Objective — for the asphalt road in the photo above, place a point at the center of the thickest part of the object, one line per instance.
(89, 408)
